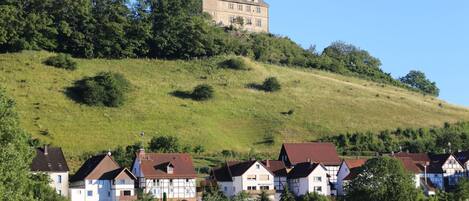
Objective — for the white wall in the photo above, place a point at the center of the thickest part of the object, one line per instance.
(308, 184)
(344, 171)
(77, 194)
(173, 188)
(59, 184)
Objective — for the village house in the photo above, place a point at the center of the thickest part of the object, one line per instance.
(318, 152)
(250, 15)
(252, 177)
(280, 173)
(309, 177)
(444, 170)
(100, 178)
(51, 161)
(463, 158)
(347, 170)
(171, 176)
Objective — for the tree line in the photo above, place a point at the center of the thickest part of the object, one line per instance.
(169, 29)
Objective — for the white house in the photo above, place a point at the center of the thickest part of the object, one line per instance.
(252, 177)
(309, 177)
(51, 161)
(317, 152)
(166, 175)
(444, 170)
(100, 178)
(345, 170)
(280, 173)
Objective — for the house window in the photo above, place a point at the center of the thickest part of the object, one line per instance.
(248, 21)
(317, 179)
(252, 188)
(90, 181)
(127, 193)
(109, 193)
(264, 188)
(187, 180)
(170, 182)
(264, 177)
(258, 166)
(240, 7)
(59, 179)
(89, 193)
(225, 189)
(258, 9)
(251, 177)
(317, 189)
(231, 6)
(59, 192)
(259, 22)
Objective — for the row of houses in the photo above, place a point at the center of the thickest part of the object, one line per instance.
(304, 167)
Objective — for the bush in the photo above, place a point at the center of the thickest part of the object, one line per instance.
(105, 89)
(63, 61)
(236, 63)
(271, 84)
(202, 92)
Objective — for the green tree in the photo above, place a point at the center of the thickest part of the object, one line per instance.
(263, 196)
(418, 80)
(203, 92)
(213, 194)
(461, 191)
(165, 144)
(241, 196)
(314, 197)
(382, 179)
(286, 194)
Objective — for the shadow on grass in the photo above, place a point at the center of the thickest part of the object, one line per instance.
(181, 94)
(74, 92)
(255, 86)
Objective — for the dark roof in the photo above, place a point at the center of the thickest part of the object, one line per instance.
(353, 173)
(436, 162)
(96, 167)
(115, 173)
(276, 167)
(236, 168)
(154, 165)
(462, 157)
(317, 152)
(302, 170)
(251, 2)
(53, 161)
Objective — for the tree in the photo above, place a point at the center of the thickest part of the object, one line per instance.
(263, 196)
(165, 144)
(242, 196)
(271, 84)
(462, 190)
(16, 181)
(212, 194)
(286, 195)
(199, 149)
(382, 179)
(418, 80)
(314, 197)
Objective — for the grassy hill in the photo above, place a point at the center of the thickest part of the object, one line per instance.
(238, 118)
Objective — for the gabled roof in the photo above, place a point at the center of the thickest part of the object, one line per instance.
(154, 165)
(53, 161)
(437, 161)
(302, 170)
(353, 163)
(234, 169)
(96, 167)
(416, 157)
(462, 157)
(318, 152)
(118, 174)
(409, 165)
(276, 167)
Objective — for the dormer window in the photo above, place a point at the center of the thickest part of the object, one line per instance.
(170, 169)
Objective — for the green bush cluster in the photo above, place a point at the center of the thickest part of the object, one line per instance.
(202, 92)
(236, 63)
(105, 89)
(63, 61)
(271, 84)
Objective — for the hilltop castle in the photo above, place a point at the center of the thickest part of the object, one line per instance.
(250, 15)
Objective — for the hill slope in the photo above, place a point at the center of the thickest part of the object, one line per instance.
(237, 118)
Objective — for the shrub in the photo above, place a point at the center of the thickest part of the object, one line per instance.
(271, 84)
(63, 61)
(105, 89)
(236, 63)
(202, 92)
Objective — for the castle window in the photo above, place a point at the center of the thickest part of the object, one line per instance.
(258, 9)
(240, 7)
(259, 22)
(231, 6)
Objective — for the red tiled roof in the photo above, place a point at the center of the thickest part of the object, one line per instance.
(318, 152)
(276, 167)
(153, 165)
(416, 157)
(353, 163)
(409, 165)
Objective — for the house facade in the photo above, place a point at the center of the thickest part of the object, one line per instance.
(317, 152)
(280, 173)
(250, 15)
(252, 177)
(100, 178)
(51, 161)
(170, 176)
(445, 170)
(346, 170)
(309, 177)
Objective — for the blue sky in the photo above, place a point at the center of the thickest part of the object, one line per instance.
(427, 35)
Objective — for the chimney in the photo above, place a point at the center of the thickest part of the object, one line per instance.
(141, 153)
(46, 152)
(109, 152)
(308, 160)
(267, 163)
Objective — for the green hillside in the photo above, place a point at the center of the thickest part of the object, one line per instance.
(238, 118)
